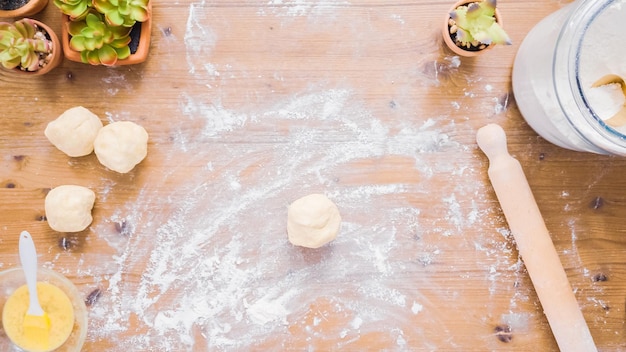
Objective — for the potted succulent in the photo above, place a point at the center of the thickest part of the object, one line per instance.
(29, 46)
(106, 32)
(21, 8)
(473, 26)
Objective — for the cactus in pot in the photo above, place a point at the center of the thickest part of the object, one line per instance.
(473, 26)
(111, 33)
(28, 45)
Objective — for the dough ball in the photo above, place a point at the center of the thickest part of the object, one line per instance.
(74, 131)
(68, 208)
(312, 221)
(121, 145)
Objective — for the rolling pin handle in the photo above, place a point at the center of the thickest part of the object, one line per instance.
(492, 141)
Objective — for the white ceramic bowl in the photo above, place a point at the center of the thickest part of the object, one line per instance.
(11, 279)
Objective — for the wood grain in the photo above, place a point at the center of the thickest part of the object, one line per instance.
(385, 64)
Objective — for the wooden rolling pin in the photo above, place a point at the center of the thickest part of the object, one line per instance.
(534, 243)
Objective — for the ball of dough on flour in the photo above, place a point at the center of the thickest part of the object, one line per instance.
(312, 221)
(74, 131)
(121, 145)
(68, 208)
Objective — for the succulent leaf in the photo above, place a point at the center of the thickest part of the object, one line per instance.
(90, 57)
(77, 43)
(496, 34)
(123, 52)
(120, 43)
(25, 28)
(140, 14)
(489, 7)
(94, 20)
(463, 36)
(41, 46)
(459, 15)
(9, 58)
(30, 61)
(115, 18)
(74, 28)
(11, 63)
(93, 43)
(107, 56)
(484, 8)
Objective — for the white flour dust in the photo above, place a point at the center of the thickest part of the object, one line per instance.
(299, 8)
(199, 40)
(210, 281)
(218, 271)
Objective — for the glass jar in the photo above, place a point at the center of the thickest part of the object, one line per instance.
(554, 70)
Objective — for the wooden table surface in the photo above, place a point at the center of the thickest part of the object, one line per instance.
(252, 104)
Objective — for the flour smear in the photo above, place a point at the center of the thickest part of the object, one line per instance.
(300, 8)
(220, 273)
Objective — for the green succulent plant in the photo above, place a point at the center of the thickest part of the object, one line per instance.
(76, 9)
(123, 12)
(97, 41)
(475, 23)
(23, 45)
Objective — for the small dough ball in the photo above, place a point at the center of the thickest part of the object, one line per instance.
(68, 208)
(312, 221)
(121, 145)
(74, 131)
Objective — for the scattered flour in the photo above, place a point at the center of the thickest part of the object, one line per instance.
(116, 81)
(226, 287)
(416, 308)
(304, 7)
(199, 40)
(209, 283)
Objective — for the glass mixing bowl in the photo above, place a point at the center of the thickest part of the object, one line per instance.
(12, 279)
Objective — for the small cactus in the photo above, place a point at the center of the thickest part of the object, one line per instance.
(475, 24)
(97, 41)
(23, 45)
(76, 9)
(123, 12)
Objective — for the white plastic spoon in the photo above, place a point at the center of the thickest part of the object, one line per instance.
(36, 321)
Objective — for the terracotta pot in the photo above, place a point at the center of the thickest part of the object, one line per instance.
(31, 8)
(137, 57)
(57, 53)
(447, 38)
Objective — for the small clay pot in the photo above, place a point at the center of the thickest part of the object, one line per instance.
(57, 53)
(447, 37)
(139, 56)
(31, 8)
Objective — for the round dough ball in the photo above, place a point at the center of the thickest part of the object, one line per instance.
(121, 145)
(74, 131)
(68, 208)
(312, 221)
